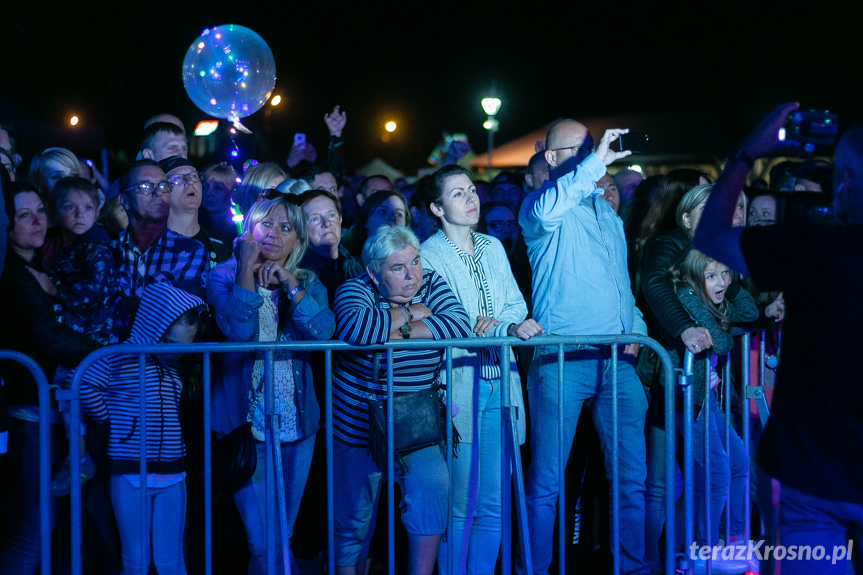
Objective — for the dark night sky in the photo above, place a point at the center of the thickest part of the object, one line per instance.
(427, 65)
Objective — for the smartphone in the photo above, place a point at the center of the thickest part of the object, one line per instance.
(635, 142)
(299, 140)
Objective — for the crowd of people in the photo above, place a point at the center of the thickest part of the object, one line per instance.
(571, 244)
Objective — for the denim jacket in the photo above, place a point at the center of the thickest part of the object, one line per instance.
(236, 311)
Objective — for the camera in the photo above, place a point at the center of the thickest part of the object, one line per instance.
(810, 128)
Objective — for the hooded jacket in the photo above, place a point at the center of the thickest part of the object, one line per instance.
(110, 389)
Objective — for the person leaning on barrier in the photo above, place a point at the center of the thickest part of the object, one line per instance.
(262, 295)
(476, 269)
(110, 391)
(581, 286)
(813, 441)
(394, 299)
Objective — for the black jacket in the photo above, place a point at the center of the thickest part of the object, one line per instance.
(28, 325)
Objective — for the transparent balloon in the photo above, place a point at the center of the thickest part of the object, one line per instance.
(229, 72)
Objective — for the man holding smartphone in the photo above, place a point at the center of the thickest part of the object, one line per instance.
(581, 286)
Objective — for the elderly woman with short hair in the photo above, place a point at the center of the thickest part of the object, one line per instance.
(394, 299)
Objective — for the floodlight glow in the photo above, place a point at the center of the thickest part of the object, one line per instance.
(390, 126)
(636, 168)
(73, 120)
(491, 105)
(276, 100)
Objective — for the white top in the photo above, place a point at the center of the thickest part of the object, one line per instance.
(283, 377)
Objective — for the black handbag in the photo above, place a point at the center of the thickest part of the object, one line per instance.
(419, 421)
(234, 459)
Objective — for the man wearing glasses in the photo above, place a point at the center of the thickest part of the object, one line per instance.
(185, 204)
(147, 251)
(577, 251)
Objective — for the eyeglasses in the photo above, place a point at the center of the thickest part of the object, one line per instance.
(151, 189)
(575, 149)
(184, 179)
(274, 194)
(498, 225)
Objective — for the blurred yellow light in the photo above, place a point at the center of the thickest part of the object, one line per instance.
(390, 126)
(636, 168)
(73, 120)
(276, 100)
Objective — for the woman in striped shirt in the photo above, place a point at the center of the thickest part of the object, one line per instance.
(477, 270)
(394, 299)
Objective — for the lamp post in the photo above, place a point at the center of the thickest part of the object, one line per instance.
(491, 107)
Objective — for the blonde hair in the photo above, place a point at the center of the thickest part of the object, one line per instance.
(256, 179)
(38, 175)
(689, 274)
(297, 220)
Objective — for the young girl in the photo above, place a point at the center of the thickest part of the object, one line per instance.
(83, 277)
(110, 392)
(706, 290)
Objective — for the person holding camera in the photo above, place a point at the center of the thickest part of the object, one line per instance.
(813, 441)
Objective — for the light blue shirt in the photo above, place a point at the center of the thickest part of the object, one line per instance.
(577, 250)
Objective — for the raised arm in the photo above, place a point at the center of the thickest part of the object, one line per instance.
(715, 235)
(543, 210)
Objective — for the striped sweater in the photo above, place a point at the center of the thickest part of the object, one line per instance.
(362, 318)
(110, 390)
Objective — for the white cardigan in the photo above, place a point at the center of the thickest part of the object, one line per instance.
(508, 305)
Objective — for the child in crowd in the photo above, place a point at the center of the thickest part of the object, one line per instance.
(82, 275)
(110, 392)
(705, 288)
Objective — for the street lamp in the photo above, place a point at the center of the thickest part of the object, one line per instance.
(491, 107)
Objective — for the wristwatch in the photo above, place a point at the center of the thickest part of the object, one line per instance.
(406, 327)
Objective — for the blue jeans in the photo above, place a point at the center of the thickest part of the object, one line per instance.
(812, 521)
(481, 530)
(251, 500)
(587, 375)
(166, 511)
(729, 467)
(357, 487)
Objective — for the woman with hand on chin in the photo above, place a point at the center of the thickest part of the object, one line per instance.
(261, 295)
(477, 270)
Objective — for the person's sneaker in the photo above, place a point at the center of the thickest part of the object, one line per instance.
(62, 484)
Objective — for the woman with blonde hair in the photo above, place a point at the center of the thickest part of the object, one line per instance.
(262, 176)
(261, 294)
(46, 169)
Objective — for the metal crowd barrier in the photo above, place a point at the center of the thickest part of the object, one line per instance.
(747, 393)
(44, 451)
(510, 456)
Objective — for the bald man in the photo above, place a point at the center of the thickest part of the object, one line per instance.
(577, 251)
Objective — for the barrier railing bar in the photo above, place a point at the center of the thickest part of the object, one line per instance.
(208, 472)
(615, 462)
(561, 468)
(450, 558)
(329, 347)
(328, 435)
(44, 395)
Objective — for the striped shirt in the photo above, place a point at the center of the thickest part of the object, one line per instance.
(110, 390)
(489, 357)
(363, 318)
